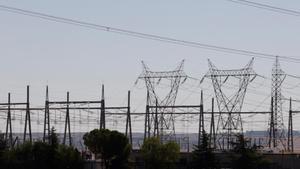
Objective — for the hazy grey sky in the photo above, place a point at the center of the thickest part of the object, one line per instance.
(69, 58)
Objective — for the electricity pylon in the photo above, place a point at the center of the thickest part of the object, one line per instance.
(159, 120)
(277, 135)
(229, 123)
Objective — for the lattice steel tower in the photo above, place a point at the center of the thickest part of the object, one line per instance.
(230, 121)
(159, 120)
(277, 135)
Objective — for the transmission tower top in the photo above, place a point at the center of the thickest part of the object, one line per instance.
(177, 73)
(276, 70)
(214, 71)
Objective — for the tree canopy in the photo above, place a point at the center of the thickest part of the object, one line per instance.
(159, 155)
(111, 146)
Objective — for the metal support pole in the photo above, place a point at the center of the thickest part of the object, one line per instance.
(147, 127)
(201, 131)
(274, 128)
(146, 118)
(8, 124)
(212, 138)
(290, 129)
(46, 119)
(27, 119)
(128, 121)
(148, 122)
(161, 123)
(271, 125)
(102, 115)
(156, 131)
(67, 123)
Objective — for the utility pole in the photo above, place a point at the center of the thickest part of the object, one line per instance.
(272, 132)
(147, 126)
(46, 119)
(128, 121)
(201, 130)
(27, 119)
(8, 124)
(290, 129)
(212, 138)
(156, 130)
(102, 115)
(67, 122)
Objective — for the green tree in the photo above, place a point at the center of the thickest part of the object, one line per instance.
(111, 146)
(246, 156)
(68, 158)
(43, 155)
(53, 138)
(203, 156)
(158, 155)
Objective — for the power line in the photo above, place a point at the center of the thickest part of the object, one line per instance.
(145, 35)
(267, 7)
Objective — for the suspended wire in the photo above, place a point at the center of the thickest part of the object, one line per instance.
(145, 35)
(267, 7)
(262, 103)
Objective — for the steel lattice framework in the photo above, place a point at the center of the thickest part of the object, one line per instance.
(230, 122)
(277, 135)
(159, 121)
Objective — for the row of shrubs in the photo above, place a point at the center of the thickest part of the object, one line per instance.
(40, 155)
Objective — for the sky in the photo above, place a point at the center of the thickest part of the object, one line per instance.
(37, 52)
